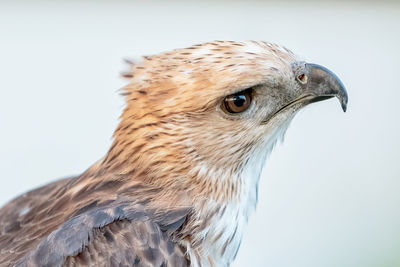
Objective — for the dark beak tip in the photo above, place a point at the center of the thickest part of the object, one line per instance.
(344, 107)
(343, 102)
(343, 98)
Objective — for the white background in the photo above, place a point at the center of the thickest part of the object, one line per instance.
(329, 196)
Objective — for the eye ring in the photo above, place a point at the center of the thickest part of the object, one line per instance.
(238, 102)
(302, 78)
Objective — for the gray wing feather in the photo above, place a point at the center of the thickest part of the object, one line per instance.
(137, 234)
(130, 243)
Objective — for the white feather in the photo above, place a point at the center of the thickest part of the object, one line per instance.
(232, 221)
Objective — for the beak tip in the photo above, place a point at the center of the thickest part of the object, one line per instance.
(343, 99)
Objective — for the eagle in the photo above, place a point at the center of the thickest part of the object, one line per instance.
(180, 180)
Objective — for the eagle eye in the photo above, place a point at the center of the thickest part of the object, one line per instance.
(237, 102)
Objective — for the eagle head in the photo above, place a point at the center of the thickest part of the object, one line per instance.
(204, 118)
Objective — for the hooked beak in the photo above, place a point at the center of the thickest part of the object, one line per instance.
(323, 84)
(318, 83)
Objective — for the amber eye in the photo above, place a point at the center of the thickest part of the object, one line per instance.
(238, 102)
(302, 78)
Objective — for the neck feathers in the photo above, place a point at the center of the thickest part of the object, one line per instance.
(171, 163)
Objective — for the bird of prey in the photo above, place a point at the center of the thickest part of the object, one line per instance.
(179, 182)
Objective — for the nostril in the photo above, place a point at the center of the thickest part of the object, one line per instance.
(302, 78)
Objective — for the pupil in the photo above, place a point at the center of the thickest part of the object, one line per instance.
(239, 100)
